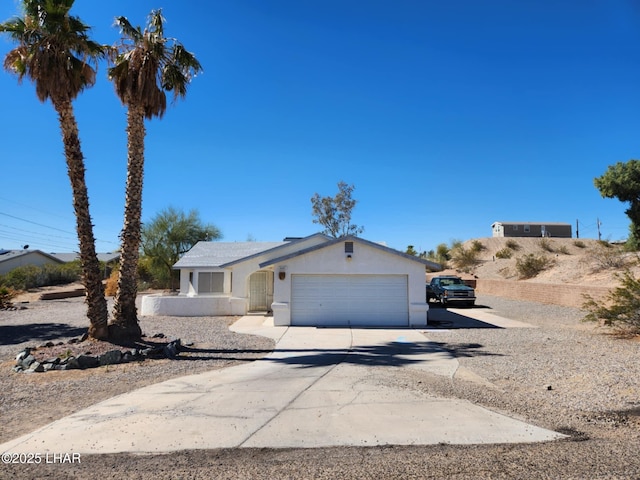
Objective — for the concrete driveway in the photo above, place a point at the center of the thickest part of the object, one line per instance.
(318, 388)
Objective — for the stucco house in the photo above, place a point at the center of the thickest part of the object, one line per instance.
(531, 229)
(10, 259)
(316, 280)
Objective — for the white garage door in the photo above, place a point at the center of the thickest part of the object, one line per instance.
(349, 300)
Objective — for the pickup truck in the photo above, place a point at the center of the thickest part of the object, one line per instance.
(449, 289)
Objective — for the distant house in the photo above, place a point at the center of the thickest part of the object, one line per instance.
(10, 259)
(316, 280)
(531, 229)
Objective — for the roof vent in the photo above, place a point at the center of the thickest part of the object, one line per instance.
(348, 247)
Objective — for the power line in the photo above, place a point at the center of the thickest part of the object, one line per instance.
(31, 208)
(52, 228)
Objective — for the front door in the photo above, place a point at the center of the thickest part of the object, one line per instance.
(258, 283)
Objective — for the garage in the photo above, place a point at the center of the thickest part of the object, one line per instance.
(349, 300)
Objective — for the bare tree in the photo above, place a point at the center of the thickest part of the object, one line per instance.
(334, 213)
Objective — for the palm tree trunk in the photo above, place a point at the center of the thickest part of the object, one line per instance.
(97, 311)
(125, 324)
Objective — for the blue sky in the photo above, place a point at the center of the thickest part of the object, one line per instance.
(446, 116)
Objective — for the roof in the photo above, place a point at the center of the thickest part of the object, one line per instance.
(226, 254)
(217, 254)
(102, 257)
(533, 223)
(350, 238)
(10, 254)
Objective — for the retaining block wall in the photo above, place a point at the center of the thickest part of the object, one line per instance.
(556, 294)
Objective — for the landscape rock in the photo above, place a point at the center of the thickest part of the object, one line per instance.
(87, 361)
(111, 357)
(26, 362)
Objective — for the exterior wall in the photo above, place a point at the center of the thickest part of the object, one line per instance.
(364, 260)
(552, 293)
(32, 258)
(531, 230)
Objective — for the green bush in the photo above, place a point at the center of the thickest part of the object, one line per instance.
(530, 265)
(477, 246)
(621, 308)
(31, 276)
(464, 258)
(504, 253)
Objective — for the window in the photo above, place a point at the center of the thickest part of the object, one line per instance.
(527, 228)
(210, 282)
(515, 228)
(348, 247)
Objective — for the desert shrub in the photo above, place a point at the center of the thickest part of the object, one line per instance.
(464, 258)
(6, 295)
(563, 250)
(605, 256)
(111, 286)
(441, 255)
(23, 278)
(477, 246)
(31, 276)
(530, 265)
(621, 307)
(513, 245)
(579, 244)
(547, 245)
(504, 253)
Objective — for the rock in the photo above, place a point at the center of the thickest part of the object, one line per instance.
(158, 335)
(18, 368)
(84, 336)
(111, 357)
(48, 366)
(46, 345)
(548, 387)
(170, 350)
(73, 340)
(87, 361)
(127, 357)
(53, 360)
(35, 367)
(27, 361)
(22, 355)
(71, 363)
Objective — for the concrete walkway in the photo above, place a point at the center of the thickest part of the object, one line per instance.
(318, 388)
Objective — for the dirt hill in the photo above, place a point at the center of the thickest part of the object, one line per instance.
(571, 261)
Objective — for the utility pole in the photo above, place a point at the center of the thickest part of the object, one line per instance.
(598, 223)
(577, 230)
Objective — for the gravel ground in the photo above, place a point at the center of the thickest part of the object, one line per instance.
(563, 375)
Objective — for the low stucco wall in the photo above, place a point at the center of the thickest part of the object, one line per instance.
(191, 306)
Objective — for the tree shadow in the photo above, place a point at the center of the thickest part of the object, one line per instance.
(34, 332)
(391, 354)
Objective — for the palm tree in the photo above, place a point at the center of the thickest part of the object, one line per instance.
(54, 52)
(147, 64)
